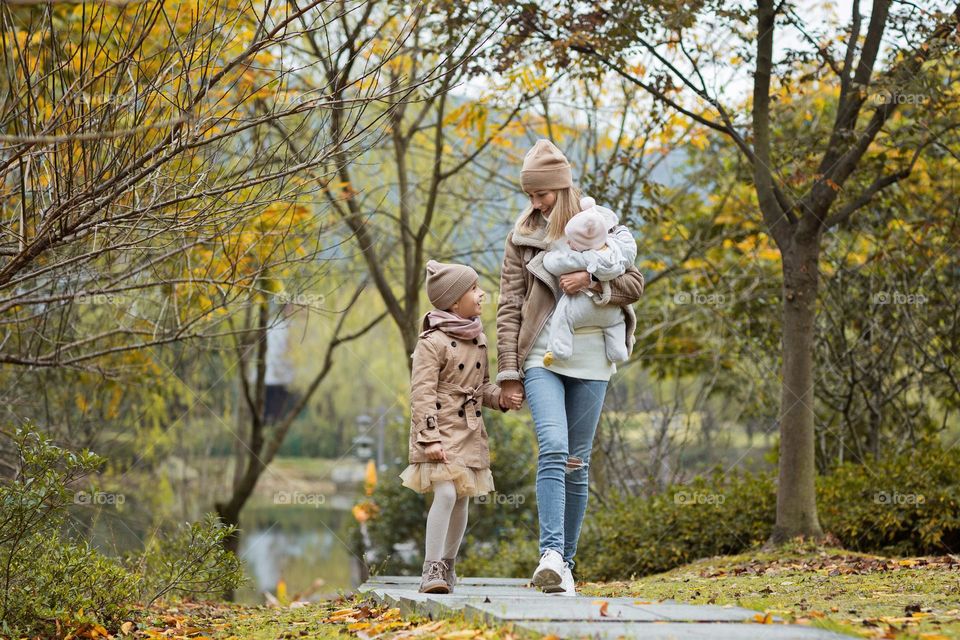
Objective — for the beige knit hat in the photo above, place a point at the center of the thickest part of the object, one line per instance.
(545, 167)
(446, 283)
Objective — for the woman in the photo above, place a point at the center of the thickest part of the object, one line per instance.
(565, 398)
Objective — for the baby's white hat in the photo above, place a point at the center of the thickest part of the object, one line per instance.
(610, 218)
(586, 230)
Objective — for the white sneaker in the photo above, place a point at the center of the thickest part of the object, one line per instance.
(549, 573)
(566, 583)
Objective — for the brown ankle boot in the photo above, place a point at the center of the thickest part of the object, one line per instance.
(451, 573)
(434, 577)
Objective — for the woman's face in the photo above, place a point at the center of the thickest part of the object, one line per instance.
(543, 201)
(470, 303)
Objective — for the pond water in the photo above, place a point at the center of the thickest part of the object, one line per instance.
(298, 544)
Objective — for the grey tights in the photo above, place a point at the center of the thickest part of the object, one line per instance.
(446, 522)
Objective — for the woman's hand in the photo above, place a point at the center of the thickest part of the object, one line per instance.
(574, 282)
(435, 452)
(511, 394)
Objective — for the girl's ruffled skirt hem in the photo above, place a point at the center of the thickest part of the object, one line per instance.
(468, 481)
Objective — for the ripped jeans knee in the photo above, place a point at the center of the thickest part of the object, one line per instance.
(575, 463)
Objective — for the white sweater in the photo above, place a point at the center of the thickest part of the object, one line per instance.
(589, 359)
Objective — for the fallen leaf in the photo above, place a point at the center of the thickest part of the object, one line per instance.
(463, 634)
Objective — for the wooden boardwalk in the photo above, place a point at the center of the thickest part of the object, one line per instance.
(514, 600)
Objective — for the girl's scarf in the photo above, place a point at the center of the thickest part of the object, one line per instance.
(463, 328)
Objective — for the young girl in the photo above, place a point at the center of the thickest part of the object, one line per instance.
(448, 442)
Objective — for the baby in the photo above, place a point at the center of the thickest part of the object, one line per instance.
(605, 255)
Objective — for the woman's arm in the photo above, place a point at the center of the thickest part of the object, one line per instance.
(628, 288)
(513, 291)
(491, 393)
(624, 290)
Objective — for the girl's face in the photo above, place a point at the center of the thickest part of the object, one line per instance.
(470, 304)
(543, 201)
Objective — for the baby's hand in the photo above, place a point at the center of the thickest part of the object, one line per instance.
(435, 452)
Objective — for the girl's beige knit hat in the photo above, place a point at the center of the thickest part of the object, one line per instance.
(545, 167)
(446, 283)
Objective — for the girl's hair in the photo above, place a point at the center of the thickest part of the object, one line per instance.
(566, 206)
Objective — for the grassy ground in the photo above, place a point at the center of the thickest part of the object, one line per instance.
(346, 617)
(858, 594)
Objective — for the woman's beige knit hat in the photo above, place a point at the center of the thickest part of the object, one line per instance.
(545, 167)
(446, 283)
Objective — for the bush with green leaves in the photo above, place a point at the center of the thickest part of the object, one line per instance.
(48, 578)
(902, 505)
(638, 535)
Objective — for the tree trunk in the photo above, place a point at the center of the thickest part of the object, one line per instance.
(410, 333)
(796, 496)
(230, 516)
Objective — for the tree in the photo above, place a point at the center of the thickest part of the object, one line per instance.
(138, 142)
(804, 187)
(423, 185)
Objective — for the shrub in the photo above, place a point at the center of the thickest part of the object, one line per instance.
(638, 535)
(190, 560)
(903, 505)
(513, 555)
(49, 580)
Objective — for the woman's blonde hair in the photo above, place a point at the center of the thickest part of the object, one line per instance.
(566, 206)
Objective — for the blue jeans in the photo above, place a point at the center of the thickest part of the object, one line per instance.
(566, 412)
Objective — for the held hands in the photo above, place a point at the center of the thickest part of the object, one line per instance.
(511, 394)
(435, 452)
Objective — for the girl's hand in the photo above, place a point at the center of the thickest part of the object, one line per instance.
(512, 392)
(574, 282)
(510, 402)
(436, 453)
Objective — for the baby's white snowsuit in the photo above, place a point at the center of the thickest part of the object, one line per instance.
(586, 309)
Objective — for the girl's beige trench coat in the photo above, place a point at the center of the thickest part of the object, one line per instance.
(449, 382)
